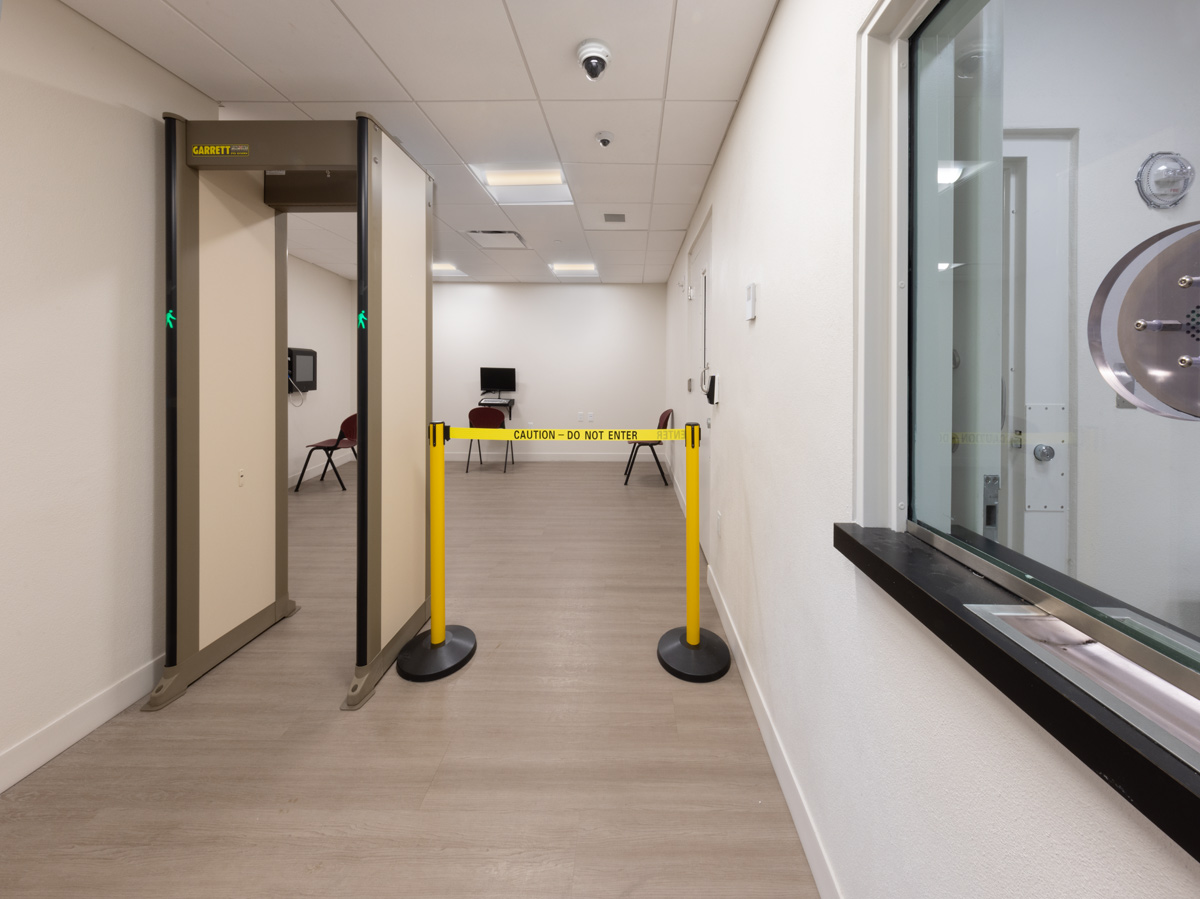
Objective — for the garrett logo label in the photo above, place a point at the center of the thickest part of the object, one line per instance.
(220, 149)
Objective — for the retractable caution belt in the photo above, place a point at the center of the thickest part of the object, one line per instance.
(518, 434)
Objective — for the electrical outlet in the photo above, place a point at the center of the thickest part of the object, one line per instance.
(720, 525)
(591, 417)
(581, 416)
(241, 477)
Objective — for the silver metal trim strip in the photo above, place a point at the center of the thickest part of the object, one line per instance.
(1168, 669)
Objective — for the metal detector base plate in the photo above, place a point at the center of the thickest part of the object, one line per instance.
(421, 661)
(706, 661)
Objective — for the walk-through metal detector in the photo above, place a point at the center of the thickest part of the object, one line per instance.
(229, 187)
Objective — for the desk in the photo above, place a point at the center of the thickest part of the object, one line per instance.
(498, 401)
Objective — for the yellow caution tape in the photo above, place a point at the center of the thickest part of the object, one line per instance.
(517, 434)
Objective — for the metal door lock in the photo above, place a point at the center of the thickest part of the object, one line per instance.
(1043, 452)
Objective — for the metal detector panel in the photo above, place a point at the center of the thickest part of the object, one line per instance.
(394, 403)
(1144, 326)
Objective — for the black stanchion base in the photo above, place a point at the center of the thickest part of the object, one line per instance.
(421, 661)
(707, 660)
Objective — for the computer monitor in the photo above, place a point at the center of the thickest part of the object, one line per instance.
(497, 379)
(302, 370)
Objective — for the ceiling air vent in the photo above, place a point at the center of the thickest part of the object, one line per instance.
(614, 216)
(498, 240)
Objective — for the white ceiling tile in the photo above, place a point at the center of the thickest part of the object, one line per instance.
(637, 33)
(159, 32)
(543, 218)
(713, 47)
(637, 216)
(346, 255)
(474, 218)
(656, 274)
(350, 272)
(635, 126)
(693, 130)
(680, 183)
(451, 247)
(456, 186)
(524, 265)
(510, 132)
(403, 121)
(621, 274)
(671, 217)
(616, 240)
(463, 50)
(318, 239)
(621, 257)
(305, 49)
(559, 246)
(610, 183)
(344, 224)
(489, 272)
(249, 112)
(665, 241)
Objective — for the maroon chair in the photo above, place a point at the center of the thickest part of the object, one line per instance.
(663, 421)
(487, 417)
(347, 438)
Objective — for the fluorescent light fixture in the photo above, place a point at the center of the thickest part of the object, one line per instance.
(524, 187)
(446, 270)
(444, 267)
(948, 173)
(942, 266)
(527, 178)
(574, 269)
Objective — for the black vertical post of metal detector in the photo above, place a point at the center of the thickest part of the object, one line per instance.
(362, 655)
(171, 128)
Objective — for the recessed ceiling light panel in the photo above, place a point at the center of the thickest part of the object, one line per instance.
(497, 240)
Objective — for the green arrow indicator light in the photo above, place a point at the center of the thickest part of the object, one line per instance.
(362, 320)
(170, 318)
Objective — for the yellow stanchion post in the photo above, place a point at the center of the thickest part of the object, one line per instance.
(443, 649)
(691, 652)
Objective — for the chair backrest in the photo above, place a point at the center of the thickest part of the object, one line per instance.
(350, 427)
(665, 419)
(486, 417)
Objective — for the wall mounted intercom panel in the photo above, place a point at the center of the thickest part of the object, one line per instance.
(302, 370)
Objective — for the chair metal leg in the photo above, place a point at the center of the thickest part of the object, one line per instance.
(328, 460)
(659, 464)
(506, 457)
(336, 473)
(469, 442)
(300, 480)
(353, 450)
(479, 449)
(632, 459)
(629, 461)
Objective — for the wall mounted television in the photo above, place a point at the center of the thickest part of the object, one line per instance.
(302, 370)
(497, 379)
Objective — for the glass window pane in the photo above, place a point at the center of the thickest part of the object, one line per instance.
(1030, 122)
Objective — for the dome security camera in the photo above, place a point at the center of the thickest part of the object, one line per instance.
(604, 138)
(594, 57)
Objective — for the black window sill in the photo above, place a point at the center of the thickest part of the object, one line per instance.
(936, 590)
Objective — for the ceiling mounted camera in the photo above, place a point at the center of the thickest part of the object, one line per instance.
(594, 57)
(604, 137)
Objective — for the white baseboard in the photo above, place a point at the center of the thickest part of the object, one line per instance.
(818, 861)
(21, 760)
(340, 457)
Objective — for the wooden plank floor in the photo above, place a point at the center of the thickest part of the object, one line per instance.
(561, 762)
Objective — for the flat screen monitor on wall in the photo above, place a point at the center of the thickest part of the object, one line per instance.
(302, 370)
(497, 379)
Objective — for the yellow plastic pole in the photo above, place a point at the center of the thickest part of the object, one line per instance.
(437, 534)
(693, 534)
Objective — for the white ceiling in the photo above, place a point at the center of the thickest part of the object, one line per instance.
(485, 83)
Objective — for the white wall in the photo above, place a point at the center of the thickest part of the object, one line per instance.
(576, 348)
(321, 316)
(909, 775)
(81, 355)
